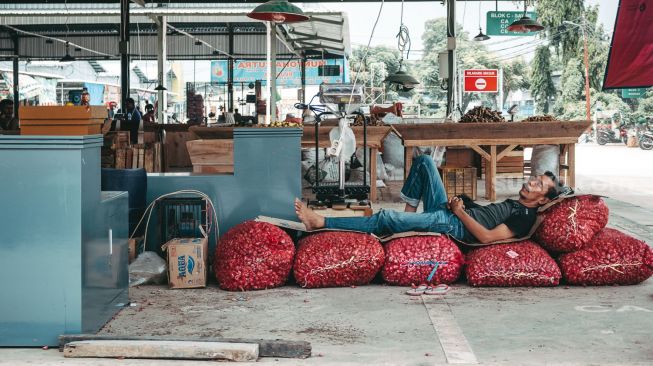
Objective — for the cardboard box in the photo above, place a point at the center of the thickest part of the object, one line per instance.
(187, 262)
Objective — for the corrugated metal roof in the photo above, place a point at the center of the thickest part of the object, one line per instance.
(95, 26)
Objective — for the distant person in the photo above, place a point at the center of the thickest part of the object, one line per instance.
(149, 118)
(7, 120)
(112, 109)
(131, 121)
(85, 99)
(237, 117)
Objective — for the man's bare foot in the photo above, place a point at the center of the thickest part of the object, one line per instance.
(308, 217)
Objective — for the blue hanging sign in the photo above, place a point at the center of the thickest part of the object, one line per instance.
(250, 71)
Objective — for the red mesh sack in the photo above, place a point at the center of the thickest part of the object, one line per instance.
(411, 260)
(514, 264)
(337, 259)
(572, 223)
(611, 258)
(253, 256)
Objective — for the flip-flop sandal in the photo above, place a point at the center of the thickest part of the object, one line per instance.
(417, 290)
(436, 290)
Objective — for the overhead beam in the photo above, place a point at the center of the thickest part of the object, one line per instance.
(316, 38)
(231, 1)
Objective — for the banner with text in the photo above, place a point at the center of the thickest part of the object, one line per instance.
(250, 71)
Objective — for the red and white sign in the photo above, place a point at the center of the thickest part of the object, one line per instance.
(481, 81)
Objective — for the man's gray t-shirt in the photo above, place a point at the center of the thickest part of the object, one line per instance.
(516, 216)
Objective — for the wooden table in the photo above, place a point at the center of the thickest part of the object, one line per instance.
(375, 136)
(494, 135)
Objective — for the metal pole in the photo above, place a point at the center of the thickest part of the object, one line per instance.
(303, 73)
(230, 71)
(451, 51)
(500, 103)
(16, 79)
(124, 53)
(587, 72)
(162, 96)
(273, 71)
(268, 42)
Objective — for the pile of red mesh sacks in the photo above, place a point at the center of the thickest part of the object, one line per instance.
(610, 258)
(572, 223)
(514, 264)
(411, 260)
(253, 256)
(336, 259)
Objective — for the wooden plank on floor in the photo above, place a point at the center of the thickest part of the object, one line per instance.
(454, 343)
(267, 348)
(179, 350)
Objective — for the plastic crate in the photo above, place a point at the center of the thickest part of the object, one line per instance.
(459, 181)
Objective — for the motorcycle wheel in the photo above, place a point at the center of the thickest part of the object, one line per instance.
(646, 143)
(624, 139)
(602, 140)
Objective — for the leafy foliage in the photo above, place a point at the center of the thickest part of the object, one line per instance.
(542, 87)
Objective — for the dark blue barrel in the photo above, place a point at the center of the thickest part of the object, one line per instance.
(133, 181)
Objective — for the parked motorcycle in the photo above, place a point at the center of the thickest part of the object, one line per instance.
(606, 135)
(646, 140)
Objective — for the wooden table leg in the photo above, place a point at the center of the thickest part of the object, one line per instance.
(408, 160)
(373, 154)
(571, 163)
(490, 175)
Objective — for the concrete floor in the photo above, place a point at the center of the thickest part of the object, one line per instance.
(380, 325)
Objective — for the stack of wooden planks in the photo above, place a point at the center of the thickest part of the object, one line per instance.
(147, 156)
(511, 166)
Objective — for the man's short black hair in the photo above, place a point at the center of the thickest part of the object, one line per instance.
(5, 102)
(149, 107)
(129, 100)
(556, 189)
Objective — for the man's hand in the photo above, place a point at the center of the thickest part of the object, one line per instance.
(456, 205)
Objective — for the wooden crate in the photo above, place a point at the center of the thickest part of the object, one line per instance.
(459, 181)
(176, 151)
(459, 157)
(511, 166)
(147, 156)
(212, 156)
(62, 120)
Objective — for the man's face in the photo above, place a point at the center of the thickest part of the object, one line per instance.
(535, 189)
(130, 106)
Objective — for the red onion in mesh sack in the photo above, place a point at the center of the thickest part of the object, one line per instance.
(513, 264)
(610, 258)
(253, 256)
(572, 223)
(337, 259)
(411, 260)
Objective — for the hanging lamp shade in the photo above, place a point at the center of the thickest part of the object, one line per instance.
(481, 36)
(278, 11)
(525, 25)
(402, 78)
(160, 87)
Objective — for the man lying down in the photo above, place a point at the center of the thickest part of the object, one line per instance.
(473, 224)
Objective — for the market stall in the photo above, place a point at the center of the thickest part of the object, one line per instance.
(493, 136)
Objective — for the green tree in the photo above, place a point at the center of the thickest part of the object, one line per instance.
(573, 82)
(516, 76)
(542, 88)
(380, 62)
(563, 37)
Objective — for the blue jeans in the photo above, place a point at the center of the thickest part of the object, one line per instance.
(423, 183)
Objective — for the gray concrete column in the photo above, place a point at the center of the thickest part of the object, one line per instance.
(161, 59)
(273, 72)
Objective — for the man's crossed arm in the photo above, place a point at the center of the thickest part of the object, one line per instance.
(480, 232)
